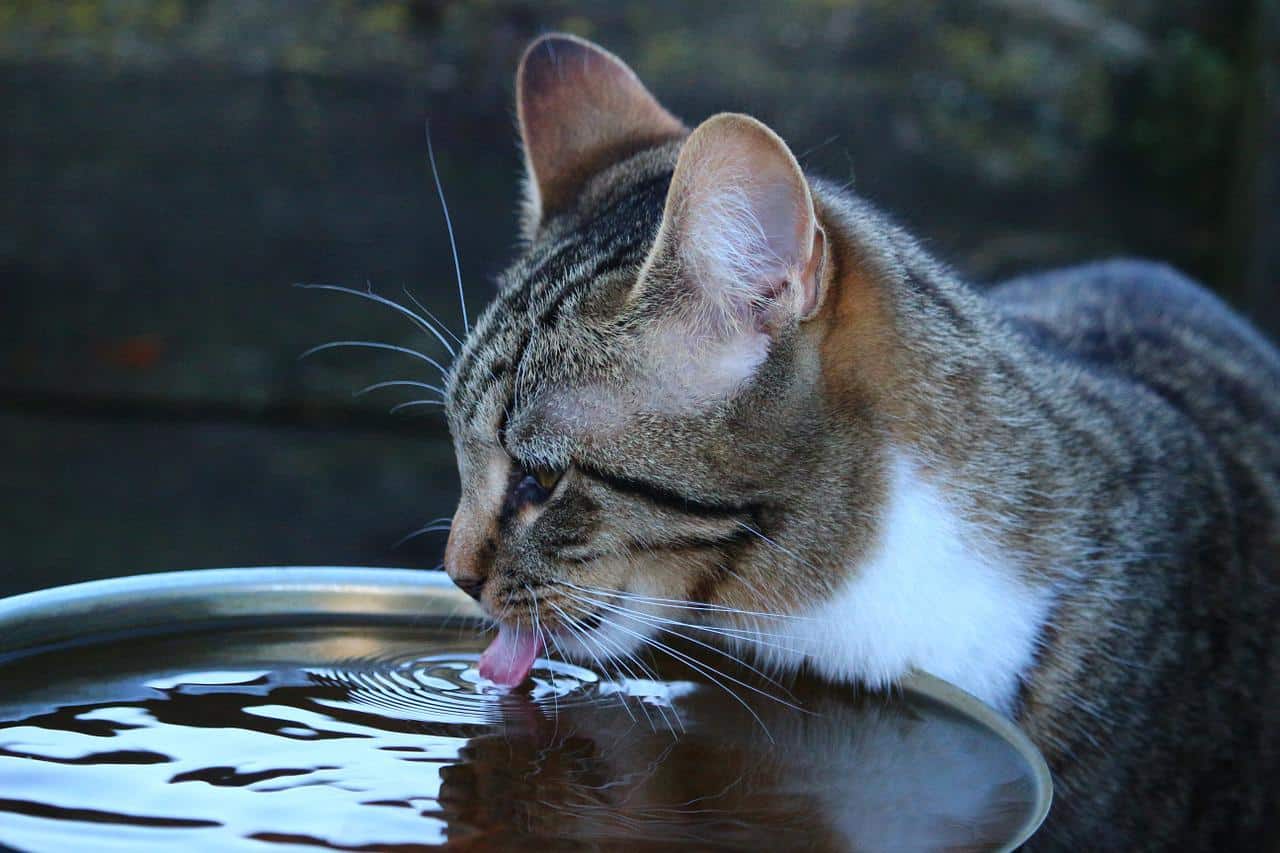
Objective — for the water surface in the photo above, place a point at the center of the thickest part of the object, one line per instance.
(386, 738)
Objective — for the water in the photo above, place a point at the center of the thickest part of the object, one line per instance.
(386, 738)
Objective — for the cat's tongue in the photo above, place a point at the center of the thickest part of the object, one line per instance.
(509, 658)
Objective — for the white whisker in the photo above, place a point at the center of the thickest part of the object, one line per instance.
(776, 546)
(621, 655)
(399, 382)
(746, 635)
(542, 635)
(430, 315)
(728, 630)
(377, 345)
(434, 527)
(709, 672)
(641, 617)
(571, 624)
(412, 403)
(676, 603)
(390, 303)
(453, 244)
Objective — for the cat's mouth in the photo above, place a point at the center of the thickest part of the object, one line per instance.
(572, 629)
(511, 655)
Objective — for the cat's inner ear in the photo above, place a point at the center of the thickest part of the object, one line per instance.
(739, 257)
(739, 231)
(580, 109)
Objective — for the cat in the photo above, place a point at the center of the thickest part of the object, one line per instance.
(713, 388)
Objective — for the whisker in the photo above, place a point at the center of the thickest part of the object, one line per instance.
(793, 555)
(823, 144)
(727, 630)
(648, 674)
(621, 655)
(746, 635)
(390, 303)
(709, 673)
(418, 304)
(555, 641)
(729, 655)
(748, 584)
(412, 403)
(571, 624)
(398, 382)
(676, 603)
(377, 345)
(542, 635)
(453, 244)
(421, 531)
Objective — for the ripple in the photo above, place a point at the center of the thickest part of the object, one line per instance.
(211, 678)
(447, 688)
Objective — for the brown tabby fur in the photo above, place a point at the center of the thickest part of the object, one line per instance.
(1113, 427)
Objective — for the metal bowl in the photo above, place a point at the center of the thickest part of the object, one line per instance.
(181, 602)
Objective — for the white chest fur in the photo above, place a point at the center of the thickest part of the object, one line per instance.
(931, 597)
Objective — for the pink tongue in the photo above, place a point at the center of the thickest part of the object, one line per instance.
(509, 658)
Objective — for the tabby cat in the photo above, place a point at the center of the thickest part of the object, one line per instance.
(712, 379)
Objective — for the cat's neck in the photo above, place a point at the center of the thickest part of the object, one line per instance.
(956, 388)
(975, 536)
(934, 594)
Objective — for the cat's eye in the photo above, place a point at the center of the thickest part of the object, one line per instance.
(532, 485)
(546, 477)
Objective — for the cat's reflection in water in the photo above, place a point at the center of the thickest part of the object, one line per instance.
(847, 773)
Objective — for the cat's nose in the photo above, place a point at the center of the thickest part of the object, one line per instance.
(464, 560)
(471, 586)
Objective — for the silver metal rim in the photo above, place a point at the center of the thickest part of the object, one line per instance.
(174, 601)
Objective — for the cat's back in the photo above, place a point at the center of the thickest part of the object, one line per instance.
(1149, 324)
(1144, 348)
(1193, 392)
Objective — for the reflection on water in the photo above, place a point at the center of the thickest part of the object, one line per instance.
(272, 740)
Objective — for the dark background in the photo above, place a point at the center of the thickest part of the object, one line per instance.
(169, 168)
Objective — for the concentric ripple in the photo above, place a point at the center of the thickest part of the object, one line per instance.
(447, 688)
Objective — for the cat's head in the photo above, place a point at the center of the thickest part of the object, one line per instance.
(645, 410)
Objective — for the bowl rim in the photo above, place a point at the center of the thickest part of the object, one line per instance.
(97, 611)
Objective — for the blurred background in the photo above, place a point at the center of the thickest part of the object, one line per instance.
(170, 168)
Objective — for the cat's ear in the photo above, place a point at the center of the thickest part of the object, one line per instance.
(739, 231)
(580, 108)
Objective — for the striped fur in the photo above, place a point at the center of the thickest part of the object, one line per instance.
(1109, 436)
